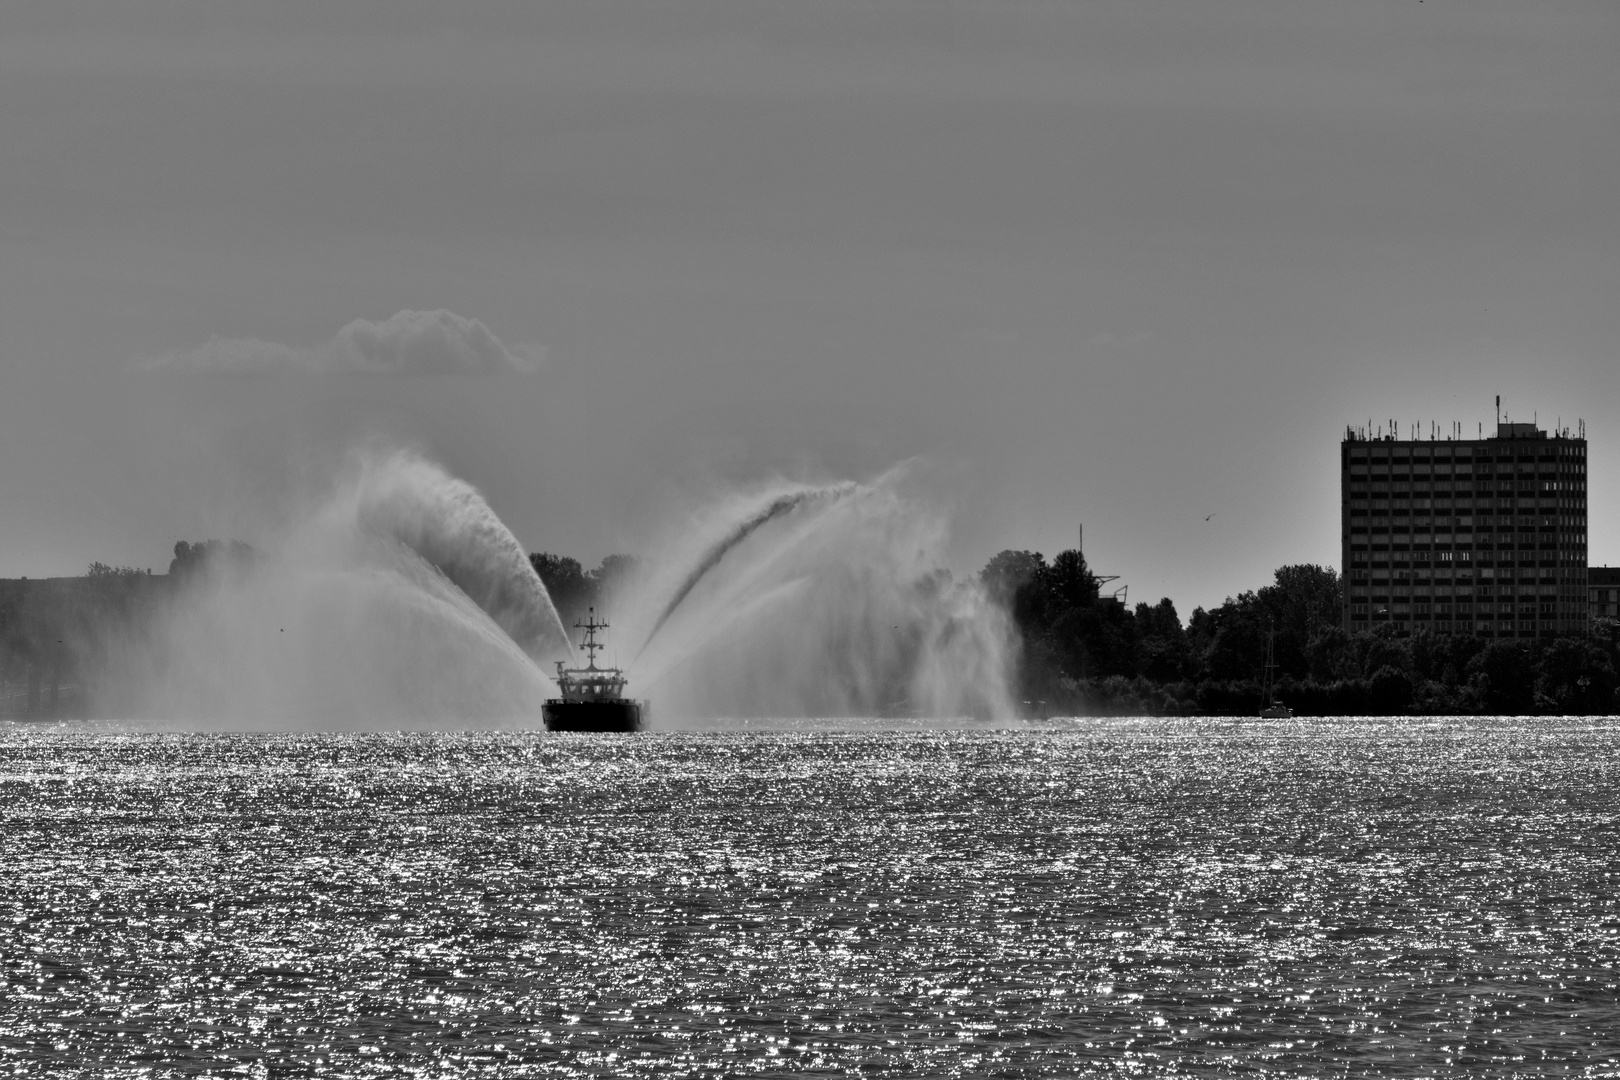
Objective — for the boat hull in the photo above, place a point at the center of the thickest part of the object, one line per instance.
(618, 715)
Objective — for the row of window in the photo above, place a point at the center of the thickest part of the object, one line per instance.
(1516, 463)
(1419, 569)
(1462, 468)
(1548, 570)
(1465, 517)
(1543, 481)
(1547, 513)
(1409, 579)
(1569, 457)
(1545, 611)
(1470, 626)
(1571, 540)
(1358, 576)
(1483, 590)
(1361, 611)
(1464, 506)
(1464, 551)
(1406, 556)
(1404, 590)
(1568, 509)
(1425, 497)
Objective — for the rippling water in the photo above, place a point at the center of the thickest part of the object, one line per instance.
(1142, 898)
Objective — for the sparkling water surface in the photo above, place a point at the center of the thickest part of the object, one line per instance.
(1144, 898)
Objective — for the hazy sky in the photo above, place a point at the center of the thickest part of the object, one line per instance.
(1126, 264)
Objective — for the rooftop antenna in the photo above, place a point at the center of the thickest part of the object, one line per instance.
(1498, 408)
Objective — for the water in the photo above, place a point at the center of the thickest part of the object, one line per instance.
(1146, 898)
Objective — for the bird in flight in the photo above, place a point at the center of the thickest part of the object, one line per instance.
(1208, 516)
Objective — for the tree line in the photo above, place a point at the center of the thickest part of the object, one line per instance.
(1084, 653)
(574, 589)
(58, 634)
(62, 640)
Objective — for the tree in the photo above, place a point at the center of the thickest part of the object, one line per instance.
(212, 555)
(1303, 601)
(1162, 653)
(1069, 633)
(570, 590)
(1508, 683)
(573, 589)
(1390, 691)
(615, 573)
(1575, 676)
(1009, 571)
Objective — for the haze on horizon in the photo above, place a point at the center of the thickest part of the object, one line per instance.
(1124, 264)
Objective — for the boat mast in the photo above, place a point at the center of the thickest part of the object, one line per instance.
(590, 644)
(1271, 663)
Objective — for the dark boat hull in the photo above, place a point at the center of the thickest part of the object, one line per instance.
(621, 715)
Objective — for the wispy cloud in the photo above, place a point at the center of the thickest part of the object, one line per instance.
(406, 343)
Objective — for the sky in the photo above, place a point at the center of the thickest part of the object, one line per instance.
(1127, 265)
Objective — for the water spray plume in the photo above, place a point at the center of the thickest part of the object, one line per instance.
(824, 601)
(397, 600)
(774, 508)
(447, 522)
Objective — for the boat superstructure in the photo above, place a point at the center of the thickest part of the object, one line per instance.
(591, 698)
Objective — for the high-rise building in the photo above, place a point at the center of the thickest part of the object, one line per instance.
(1483, 536)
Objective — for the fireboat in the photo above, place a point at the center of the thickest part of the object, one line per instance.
(591, 698)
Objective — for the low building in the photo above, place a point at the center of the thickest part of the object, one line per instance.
(1483, 536)
(1603, 591)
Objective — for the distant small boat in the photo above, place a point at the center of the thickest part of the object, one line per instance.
(1270, 707)
(592, 698)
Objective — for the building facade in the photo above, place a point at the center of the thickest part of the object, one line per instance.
(1603, 591)
(1484, 536)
